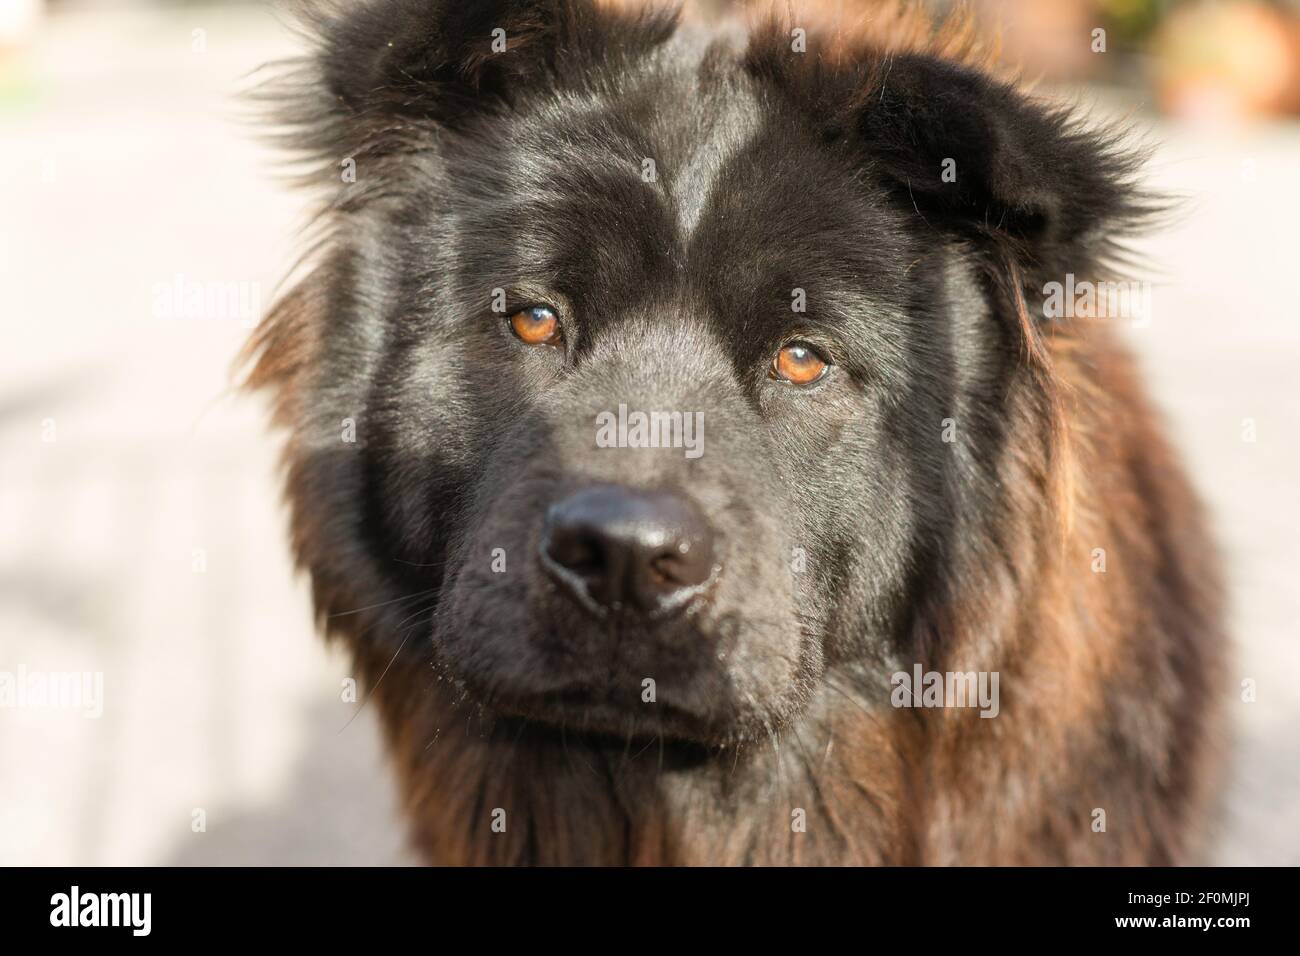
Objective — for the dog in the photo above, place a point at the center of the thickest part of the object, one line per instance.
(676, 437)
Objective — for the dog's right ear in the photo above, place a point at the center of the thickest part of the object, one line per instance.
(381, 67)
(435, 59)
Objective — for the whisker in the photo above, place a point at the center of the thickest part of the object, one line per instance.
(372, 607)
(826, 679)
(371, 692)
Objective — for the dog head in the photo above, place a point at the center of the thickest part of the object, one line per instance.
(644, 375)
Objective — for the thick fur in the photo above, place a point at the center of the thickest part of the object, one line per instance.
(854, 540)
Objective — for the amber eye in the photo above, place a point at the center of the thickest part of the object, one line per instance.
(798, 364)
(538, 325)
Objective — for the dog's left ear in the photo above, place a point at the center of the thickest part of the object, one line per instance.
(978, 158)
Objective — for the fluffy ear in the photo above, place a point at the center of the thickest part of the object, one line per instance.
(434, 58)
(381, 68)
(979, 158)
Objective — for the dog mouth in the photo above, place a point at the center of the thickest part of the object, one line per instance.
(583, 738)
(618, 706)
(597, 714)
(694, 681)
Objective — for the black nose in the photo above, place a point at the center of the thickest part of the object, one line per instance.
(615, 548)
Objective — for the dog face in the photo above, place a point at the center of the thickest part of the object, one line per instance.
(715, 271)
(677, 366)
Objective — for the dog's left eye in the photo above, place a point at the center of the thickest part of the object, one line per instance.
(538, 325)
(798, 364)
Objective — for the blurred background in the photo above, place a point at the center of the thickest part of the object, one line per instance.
(142, 537)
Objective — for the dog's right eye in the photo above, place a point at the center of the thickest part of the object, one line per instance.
(799, 364)
(538, 325)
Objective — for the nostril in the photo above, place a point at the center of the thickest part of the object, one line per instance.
(688, 562)
(663, 569)
(580, 553)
